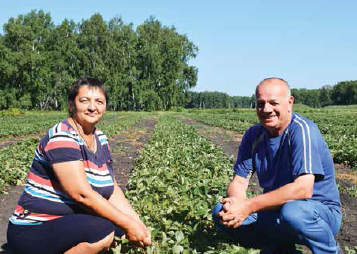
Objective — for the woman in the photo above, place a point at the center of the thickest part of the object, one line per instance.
(71, 202)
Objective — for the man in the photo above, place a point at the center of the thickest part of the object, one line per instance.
(300, 201)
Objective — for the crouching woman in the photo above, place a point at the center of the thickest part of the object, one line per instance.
(71, 202)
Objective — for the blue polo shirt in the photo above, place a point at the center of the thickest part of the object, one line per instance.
(299, 150)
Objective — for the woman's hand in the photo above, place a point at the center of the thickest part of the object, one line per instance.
(75, 184)
(138, 234)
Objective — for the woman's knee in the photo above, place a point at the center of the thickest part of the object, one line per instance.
(97, 228)
(105, 243)
(96, 247)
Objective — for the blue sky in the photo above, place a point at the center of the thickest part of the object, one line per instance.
(308, 43)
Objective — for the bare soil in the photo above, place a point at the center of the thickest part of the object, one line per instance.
(7, 203)
(125, 148)
(229, 142)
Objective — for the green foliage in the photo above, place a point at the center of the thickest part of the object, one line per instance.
(230, 119)
(178, 109)
(16, 160)
(298, 107)
(146, 69)
(208, 100)
(339, 129)
(175, 183)
(308, 97)
(15, 123)
(115, 123)
(12, 124)
(162, 58)
(325, 96)
(351, 191)
(345, 93)
(352, 107)
(11, 112)
(350, 251)
(152, 101)
(179, 175)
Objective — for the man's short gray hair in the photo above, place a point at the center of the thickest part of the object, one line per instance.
(272, 78)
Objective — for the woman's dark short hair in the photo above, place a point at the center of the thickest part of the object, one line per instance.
(86, 81)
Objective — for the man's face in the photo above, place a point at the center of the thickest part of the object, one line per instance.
(274, 106)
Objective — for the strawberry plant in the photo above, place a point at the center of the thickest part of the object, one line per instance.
(15, 162)
(176, 182)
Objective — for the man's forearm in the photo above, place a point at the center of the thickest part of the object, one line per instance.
(238, 187)
(298, 190)
(239, 193)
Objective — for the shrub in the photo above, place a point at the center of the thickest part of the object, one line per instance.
(11, 112)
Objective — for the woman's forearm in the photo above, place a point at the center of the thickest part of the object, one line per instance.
(119, 200)
(95, 203)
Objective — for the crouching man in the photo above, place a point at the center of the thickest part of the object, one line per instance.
(300, 203)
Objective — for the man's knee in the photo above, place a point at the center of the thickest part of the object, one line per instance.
(216, 209)
(296, 214)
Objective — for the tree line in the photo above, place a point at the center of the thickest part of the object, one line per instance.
(218, 100)
(343, 93)
(146, 68)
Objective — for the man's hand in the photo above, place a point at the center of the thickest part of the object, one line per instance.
(234, 211)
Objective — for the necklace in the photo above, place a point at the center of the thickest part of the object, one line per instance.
(89, 144)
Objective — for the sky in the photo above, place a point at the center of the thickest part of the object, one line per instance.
(308, 43)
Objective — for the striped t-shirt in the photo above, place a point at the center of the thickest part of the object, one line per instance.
(43, 198)
(299, 150)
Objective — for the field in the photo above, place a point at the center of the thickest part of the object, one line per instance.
(174, 166)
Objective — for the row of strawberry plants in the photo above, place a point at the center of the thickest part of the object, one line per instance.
(339, 129)
(120, 121)
(340, 133)
(17, 158)
(237, 121)
(176, 181)
(22, 125)
(37, 122)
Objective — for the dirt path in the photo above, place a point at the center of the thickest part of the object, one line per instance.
(125, 148)
(229, 142)
(7, 204)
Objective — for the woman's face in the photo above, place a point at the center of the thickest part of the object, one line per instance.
(90, 104)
